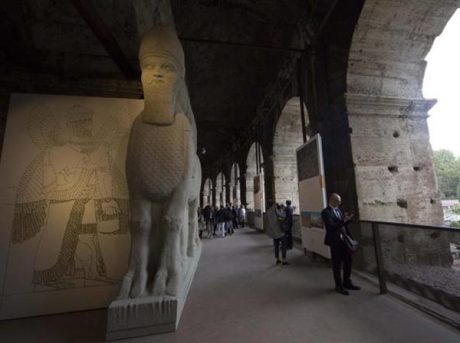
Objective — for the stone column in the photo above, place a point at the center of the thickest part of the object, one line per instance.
(394, 172)
(213, 194)
(228, 193)
(269, 179)
(242, 183)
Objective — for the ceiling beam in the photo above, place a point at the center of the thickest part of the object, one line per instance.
(105, 37)
(23, 47)
(239, 44)
(20, 81)
(152, 12)
(326, 17)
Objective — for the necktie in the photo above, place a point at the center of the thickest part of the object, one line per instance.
(342, 229)
(337, 213)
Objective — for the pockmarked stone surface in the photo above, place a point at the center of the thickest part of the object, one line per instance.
(387, 113)
(287, 138)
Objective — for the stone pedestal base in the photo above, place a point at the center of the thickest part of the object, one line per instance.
(149, 315)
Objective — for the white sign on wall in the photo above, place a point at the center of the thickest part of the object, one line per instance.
(312, 195)
(258, 202)
(64, 239)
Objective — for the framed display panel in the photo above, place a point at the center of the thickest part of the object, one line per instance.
(258, 202)
(312, 195)
(64, 238)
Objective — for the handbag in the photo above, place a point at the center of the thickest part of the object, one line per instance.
(350, 243)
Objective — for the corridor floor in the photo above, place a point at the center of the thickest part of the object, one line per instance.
(240, 295)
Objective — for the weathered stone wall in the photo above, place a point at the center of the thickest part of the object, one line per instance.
(287, 138)
(392, 155)
(387, 113)
(394, 171)
(243, 183)
(250, 218)
(4, 103)
(250, 173)
(220, 190)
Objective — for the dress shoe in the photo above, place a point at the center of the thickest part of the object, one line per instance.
(351, 286)
(286, 263)
(278, 261)
(342, 290)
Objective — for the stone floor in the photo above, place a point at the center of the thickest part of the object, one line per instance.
(240, 295)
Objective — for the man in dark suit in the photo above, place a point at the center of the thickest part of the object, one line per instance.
(336, 224)
(288, 220)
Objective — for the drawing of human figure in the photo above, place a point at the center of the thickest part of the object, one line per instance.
(66, 194)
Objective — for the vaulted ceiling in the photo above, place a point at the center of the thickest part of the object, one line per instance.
(233, 50)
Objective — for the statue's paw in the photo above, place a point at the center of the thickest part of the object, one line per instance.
(191, 250)
(138, 285)
(193, 247)
(173, 285)
(125, 287)
(159, 284)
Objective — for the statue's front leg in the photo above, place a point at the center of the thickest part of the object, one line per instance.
(135, 281)
(193, 238)
(168, 277)
(195, 184)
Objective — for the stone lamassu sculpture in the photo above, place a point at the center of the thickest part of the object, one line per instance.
(163, 173)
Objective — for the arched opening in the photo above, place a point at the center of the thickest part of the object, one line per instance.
(287, 138)
(235, 184)
(255, 191)
(390, 142)
(391, 152)
(207, 192)
(441, 83)
(220, 190)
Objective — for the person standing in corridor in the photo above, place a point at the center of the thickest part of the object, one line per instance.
(336, 224)
(287, 225)
(242, 215)
(274, 230)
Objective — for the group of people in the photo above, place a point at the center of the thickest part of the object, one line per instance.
(222, 221)
(336, 223)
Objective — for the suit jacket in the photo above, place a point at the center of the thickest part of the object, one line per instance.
(288, 220)
(333, 226)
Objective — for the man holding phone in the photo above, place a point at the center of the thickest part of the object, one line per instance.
(336, 224)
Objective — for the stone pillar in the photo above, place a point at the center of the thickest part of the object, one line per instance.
(228, 193)
(287, 138)
(328, 117)
(269, 179)
(242, 183)
(4, 104)
(394, 172)
(213, 194)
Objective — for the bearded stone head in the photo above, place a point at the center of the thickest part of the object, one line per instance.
(163, 69)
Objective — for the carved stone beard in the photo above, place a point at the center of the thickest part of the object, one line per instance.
(159, 103)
